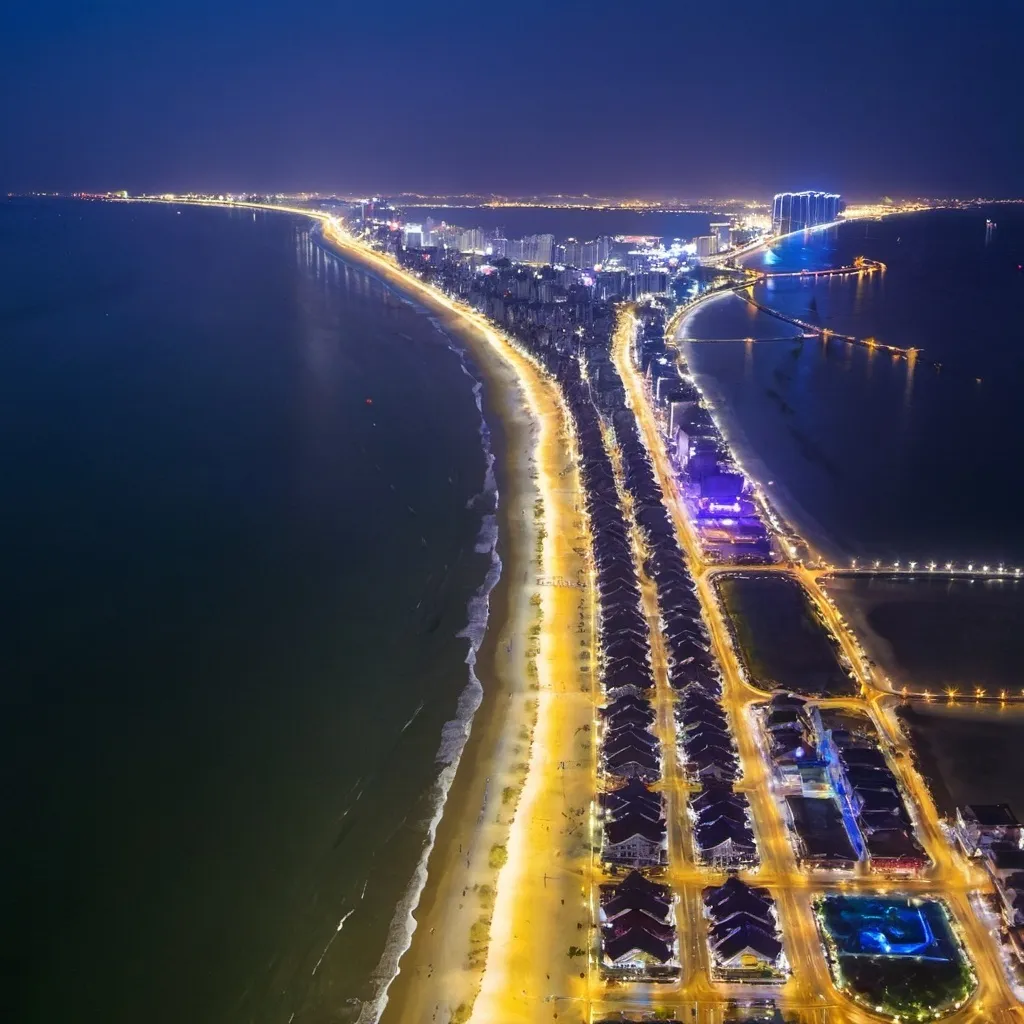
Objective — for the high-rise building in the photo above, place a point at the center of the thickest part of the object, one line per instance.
(707, 245)
(572, 253)
(740, 236)
(650, 282)
(794, 211)
(721, 229)
(472, 241)
(413, 236)
(538, 249)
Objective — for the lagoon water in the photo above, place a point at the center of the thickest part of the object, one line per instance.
(873, 457)
(242, 510)
(242, 521)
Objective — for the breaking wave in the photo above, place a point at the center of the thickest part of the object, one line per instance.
(455, 732)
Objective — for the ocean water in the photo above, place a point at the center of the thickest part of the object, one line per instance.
(875, 457)
(248, 534)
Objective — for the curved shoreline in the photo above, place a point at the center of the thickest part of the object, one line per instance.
(434, 971)
(432, 963)
(428, 965)
(529, 737)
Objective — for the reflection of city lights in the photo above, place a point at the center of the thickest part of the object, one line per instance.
(948, 874)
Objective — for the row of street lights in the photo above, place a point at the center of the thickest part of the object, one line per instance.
(948, 567)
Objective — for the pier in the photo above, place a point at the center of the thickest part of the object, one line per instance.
(825, 333)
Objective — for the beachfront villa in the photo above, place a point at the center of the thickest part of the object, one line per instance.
(638, 937)
(743, 933)
(634, 830)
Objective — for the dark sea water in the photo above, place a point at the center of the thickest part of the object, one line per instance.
(232, 593)
(874, 457)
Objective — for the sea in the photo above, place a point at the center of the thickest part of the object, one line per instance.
(880, 457)
(248, 536)
(875, 456)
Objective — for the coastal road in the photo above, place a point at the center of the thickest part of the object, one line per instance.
(542, 902)
(690, 926)
(542, 910)
(810, 980)
(793, 888)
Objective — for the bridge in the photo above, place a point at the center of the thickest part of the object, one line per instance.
(951, 570)
(826, 333)
(747, 341)
(808, 330)
(861, 265)
(761, 243)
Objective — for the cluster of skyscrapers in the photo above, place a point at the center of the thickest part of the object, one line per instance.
(794, 211)
(539, 250)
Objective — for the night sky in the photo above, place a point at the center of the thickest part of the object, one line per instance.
(652, 98)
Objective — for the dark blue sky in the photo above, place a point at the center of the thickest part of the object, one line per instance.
(645, 98)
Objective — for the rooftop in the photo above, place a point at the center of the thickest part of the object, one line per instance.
(990, 815)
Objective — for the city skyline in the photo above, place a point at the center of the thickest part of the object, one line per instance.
(511, 512)
(469, 99)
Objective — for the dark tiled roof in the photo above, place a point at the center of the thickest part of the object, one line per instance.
(714, 794)
(621, 946)
(893, 842)
(864, 757)
(637, 920)
(622, 903)
(631, 825)
(749, 937)
(710, 837)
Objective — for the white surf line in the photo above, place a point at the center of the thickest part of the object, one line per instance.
(344, 813)
(414, 714)
(333, 937)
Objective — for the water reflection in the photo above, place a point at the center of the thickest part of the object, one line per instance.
(873, 458)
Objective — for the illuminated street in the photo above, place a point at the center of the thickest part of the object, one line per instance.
(949, 876)
(542, 902)
(545, 889)
(409, 621)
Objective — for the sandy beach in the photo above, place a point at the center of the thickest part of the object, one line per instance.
(510, 871)
(528, 754)
(441, 971)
